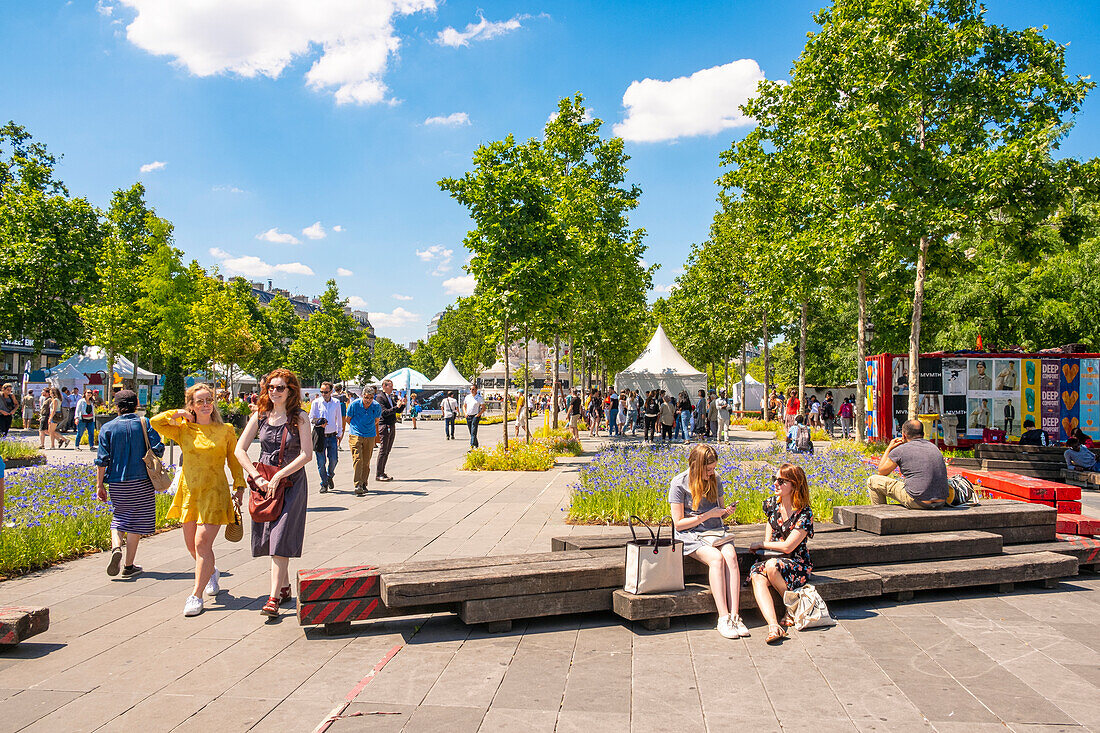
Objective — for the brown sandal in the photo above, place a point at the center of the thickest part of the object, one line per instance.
(271, 608)
(284, 594)
(775, 634)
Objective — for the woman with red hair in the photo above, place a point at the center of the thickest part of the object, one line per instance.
(786, 564)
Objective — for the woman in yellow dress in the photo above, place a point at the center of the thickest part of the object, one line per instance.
(203, 501)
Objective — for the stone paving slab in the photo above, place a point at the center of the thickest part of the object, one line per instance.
(120, 656)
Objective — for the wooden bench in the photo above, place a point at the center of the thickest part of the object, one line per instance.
(19, 624)
(1089, 480)
(1085, 549)
(990, 516)
(898, 579)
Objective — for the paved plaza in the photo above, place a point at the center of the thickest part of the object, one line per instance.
(120, 656)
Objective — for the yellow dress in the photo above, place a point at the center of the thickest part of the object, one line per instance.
(203, 495)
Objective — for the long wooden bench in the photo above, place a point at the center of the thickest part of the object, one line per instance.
(1088, 480)
(18, 623)
(1085, 549)
(989, 516)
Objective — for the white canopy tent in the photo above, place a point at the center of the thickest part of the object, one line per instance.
(448, 378)
(94, 359)
(406, 378)
(754, 393)
(68, 376)
(660, 366)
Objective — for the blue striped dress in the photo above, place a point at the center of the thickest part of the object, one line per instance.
(134, 506)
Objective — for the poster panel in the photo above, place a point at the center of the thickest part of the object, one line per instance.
(954, 376)
(979, 376)
(954, 414)
(901, 412)
(1006, 375)
(931, 375)
(1049, 398)
(900, 375)
(143, 394)
(1069, 398)
(1005, 414)
(979, 412)
(869, 399)
(1031, 373)
(1090, 397)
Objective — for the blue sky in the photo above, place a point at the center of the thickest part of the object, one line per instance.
(252, 127)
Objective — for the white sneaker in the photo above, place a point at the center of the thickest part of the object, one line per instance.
(726, 629)
(193, 607)
(212, 587)
(739, 626)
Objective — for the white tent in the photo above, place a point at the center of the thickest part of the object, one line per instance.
(406, 378)
(754, 393)
(68, 376)
(660, 366)
(94, 359)
(448, 378)
(496, 371)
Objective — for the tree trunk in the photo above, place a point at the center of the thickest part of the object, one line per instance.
(767, 370)
(914, 332)
(506, 378)
(584, 370)
(861, 360)
(744, 378)
(134, 374)
(803, 328)
(110, 377)
(554, 389)
(572, 365)
(726, 379)
(526, 384)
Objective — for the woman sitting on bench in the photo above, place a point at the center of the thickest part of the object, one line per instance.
(695, 500)
(786, 564)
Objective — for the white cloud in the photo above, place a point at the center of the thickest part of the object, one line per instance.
(156, 165)
(350, 41)
(315, 231)
(104, 8)
(455, 119)
(338, 228)
(440, 255)
(228, 189)
(462, 286)
(251, 266)
(394, 319)
(663, 289)
(483, 30)
(274, 235)
(357, 303)
(704, 103)
(399, 296)
(343, 272)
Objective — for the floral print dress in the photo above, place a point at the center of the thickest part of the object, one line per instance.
(795, 567)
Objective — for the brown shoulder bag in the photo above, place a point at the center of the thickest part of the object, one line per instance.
(265, 505)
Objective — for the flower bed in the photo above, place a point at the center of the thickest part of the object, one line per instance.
(52, 514)
(538, 455)
(633, 479)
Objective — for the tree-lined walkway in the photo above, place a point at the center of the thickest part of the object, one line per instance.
(120, 654)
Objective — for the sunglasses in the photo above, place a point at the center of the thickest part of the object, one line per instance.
(204, 401)
(278, 388)
(780, 480)
(324, 392)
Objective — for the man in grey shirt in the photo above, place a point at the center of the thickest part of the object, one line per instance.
(924, 472)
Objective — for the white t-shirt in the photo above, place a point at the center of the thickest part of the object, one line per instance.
(815, 408)
(472, 404)
(449, 405)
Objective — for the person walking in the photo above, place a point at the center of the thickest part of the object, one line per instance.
(521, 412)
(414, 407)
(792, 407)
(473, 407)
(668, 419)
(28, 410)
(85, 419)
(684, 409)
(651, 411)
(574, 411)
(285, 442)
(203, 502)
(339, 395)
(632, 411)
(387, 427)
(722, 408)
(613, 413)
(120, 467)
(449, 407)
(364, 415)
(43, 419)
(55, 417)
(9, 407)
(847, 411)
(595, 413)
(326, 416)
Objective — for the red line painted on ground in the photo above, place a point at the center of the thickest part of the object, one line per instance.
(354, 692)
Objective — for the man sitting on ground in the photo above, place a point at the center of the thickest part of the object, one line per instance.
(1078, 457)
(923, 484)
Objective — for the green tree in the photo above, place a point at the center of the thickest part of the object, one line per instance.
(320, 350)
(465, 337)
(220, 329)
(390, 356)
(49, 243)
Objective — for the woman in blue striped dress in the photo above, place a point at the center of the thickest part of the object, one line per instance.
(119, 465)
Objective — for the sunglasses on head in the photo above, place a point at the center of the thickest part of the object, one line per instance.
(280, 388)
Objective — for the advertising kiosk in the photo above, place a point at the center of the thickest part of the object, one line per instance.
(974, 392)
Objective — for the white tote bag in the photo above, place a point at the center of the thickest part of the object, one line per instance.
(806, 608)
(653, 565)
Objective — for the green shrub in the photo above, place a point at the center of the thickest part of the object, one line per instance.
(519, 456)
(10, 449)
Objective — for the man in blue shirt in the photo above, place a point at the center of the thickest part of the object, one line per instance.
(1078, 457)
(363, 416)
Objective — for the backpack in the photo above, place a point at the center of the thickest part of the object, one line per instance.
(802, 440)
(827, 411)
(964, 493)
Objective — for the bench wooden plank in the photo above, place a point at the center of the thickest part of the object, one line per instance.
(1025, 487)
(618, 536)
(1031, 533)
(510, 608)
(893, 519)
(346, 610)
(1085, 549)
(965, 572)
(1088, 478)
(859, 548)
(565, 573)
(19, 623)
(1076, 524)
(1069, 507)
(697, 599)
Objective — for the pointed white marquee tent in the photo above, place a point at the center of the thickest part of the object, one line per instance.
(406, 378)
(449, 378)
(754, 393)
(660, 366)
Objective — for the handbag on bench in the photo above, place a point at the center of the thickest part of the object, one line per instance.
(654, 565)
